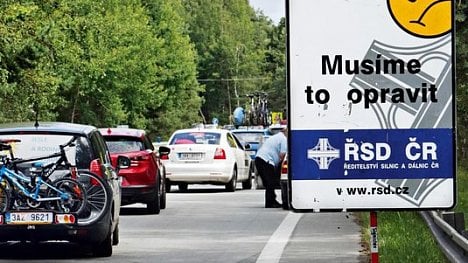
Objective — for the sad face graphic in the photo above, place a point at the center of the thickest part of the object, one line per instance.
(423, 18)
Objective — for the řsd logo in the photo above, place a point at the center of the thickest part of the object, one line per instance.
(323, 153)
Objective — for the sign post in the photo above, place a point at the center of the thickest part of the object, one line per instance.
(374, 241)
(371, 104)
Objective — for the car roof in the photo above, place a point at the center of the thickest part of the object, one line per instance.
(47, 127)
(249, 131)
(122, 132)
(201, 130)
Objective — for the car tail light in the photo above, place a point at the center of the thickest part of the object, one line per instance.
(135, 161)
(65, 219)
(165, 157)
(284, 167)
(95, 167)
(219, 154)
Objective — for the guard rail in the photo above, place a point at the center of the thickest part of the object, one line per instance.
(450, 237)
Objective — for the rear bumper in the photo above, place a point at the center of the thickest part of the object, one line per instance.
(91, 234)
(198, 173)
(138, 194)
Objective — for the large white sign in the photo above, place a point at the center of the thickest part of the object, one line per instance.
(371, 104)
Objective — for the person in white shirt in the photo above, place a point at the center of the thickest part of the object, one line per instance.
(269, 157)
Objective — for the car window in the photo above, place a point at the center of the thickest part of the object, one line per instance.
(100, 148)
(231, 141)
(84, 153)
(250, 136)
(122, 144)
(148, 144)
(196, 138)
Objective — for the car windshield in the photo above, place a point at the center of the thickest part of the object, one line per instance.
(196, 138)
(118, 144)
(249, 137)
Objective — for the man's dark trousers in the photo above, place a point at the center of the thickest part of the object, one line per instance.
(267, 173)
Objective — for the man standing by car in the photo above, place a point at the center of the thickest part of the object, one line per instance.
(268, 159)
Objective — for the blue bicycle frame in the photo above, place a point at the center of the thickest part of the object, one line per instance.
(15, 178)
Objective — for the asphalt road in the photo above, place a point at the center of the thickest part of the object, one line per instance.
(207, 224)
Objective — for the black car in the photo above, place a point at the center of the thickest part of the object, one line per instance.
(96, 225)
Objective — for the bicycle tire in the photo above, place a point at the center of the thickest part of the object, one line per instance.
(5, 201)
(98, 197)
(76, 193)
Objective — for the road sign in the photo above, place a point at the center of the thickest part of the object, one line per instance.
(371, 104)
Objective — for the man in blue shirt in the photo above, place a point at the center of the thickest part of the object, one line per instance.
(269, 158)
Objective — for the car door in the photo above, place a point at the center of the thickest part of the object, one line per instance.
(102, 152)
(242, 158)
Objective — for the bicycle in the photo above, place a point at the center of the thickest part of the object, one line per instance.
(252, 112)
(97, 192)
(263, 111)
(18, 190)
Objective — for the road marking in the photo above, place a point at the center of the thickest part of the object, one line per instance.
(274, 248)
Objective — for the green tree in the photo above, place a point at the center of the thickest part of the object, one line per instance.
(178, 71)
(107, 59)
(230, 57)
(27, 83)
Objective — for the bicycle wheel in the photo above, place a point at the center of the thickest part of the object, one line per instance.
(98, 197)
(73, 196)
(4, 197)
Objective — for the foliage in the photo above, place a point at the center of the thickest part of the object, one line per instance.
(98, 62)
(25, 70)
(232, 43)
(402, 237)
(178, 69)
(462, 79)
(462, 192)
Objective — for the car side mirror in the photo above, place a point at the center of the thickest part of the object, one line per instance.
(123, 162)
(164, 150)
(247, 146)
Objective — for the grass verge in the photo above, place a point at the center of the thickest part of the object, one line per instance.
(462, 192)
(402, 237)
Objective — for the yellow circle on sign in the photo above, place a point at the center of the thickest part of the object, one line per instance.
(423, 18)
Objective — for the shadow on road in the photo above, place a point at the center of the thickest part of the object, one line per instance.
(43, 250)
(203, 190)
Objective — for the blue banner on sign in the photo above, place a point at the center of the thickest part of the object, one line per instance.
(371, 154)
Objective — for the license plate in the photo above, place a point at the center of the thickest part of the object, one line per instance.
(29, 218)
(190, 156)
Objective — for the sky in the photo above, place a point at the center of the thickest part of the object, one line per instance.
(275, 9)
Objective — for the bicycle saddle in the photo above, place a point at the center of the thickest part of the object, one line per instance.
(4, 147)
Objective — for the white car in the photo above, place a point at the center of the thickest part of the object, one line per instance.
(207, 156)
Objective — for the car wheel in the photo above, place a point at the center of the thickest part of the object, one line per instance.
(162, 200)
(168, 186)
(104, 248)
(248, 183)
(183, 187)
(231, 185)
(153, 206)
(285, 195)
(115, 235)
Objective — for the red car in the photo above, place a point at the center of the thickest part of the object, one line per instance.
(144, 181)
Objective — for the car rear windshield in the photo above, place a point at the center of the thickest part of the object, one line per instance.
(196, 138)
(117, 144)
(41, 145)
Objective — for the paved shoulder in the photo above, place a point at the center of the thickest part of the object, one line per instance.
(325, 237)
